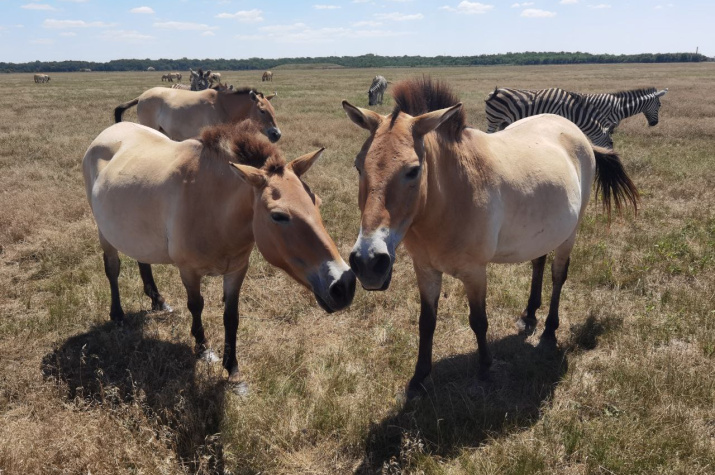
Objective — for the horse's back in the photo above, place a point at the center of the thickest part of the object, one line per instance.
(178, 113)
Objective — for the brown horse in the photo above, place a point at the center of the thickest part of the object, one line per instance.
(156, 200)
(460, 199)
(267, 76)
(182, 114)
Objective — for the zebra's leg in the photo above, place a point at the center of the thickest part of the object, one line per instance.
(527, 322)
(157, 301)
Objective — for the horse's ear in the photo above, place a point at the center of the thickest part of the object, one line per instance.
(364, 118)
(302, 164)
(271, 96)
(251, 175)
(426, 123)
(253, 96)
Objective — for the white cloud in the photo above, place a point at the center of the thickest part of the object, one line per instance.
(42, 41)
(68, 34)
(184, 25)
(147, 10)
(660, 7)
(358, 24)
(76, 1)
(326, 7)
(125, 36)
(61, 24)
(208, 33)
(469, 8)
(38, 6)
(522, 5)
(398, 16)
(536, 13)
(568, 2)
(600, 6)
(244, 16)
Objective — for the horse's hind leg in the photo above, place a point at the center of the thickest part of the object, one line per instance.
(527, 322)
(157, 301)
(111, 270)
(559, 272)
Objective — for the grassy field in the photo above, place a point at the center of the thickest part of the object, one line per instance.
(631, 390)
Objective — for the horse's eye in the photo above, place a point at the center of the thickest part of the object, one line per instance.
(279, 217)
(413, 172)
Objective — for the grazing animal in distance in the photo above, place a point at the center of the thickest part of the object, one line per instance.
(377, 90)
(460, 198)
(166, 77)
(267, 76)
(597, 115)
(154, 200)
(41, 78)
(182, 114)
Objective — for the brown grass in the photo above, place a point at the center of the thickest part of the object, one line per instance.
(630, 390)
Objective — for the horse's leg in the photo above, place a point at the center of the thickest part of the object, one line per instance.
(157, 301)
(475, 285)
(559, 271)
(231, 291)
(195, 304)
(111, 270)
(527, 322)
(429, 282)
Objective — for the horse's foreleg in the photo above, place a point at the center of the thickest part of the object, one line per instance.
(429, 282)
(559, 272)
(231, 291)
(475, 285)
(527, 322)
(195, 304)
(157, 301)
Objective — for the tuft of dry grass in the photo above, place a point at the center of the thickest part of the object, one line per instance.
(630, 388)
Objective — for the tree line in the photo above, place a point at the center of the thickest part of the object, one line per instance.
(364, 61)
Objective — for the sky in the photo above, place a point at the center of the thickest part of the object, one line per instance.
(102, 30)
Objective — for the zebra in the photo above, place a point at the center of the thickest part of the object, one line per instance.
(377, 90)
(199, 79)
(597, 115)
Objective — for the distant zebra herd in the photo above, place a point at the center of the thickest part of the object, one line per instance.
(597, 115)
(171, 76)
(41, 78)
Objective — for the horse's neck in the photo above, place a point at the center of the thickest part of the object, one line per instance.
(234, 106)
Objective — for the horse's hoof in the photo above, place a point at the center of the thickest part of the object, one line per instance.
(526, 326)
(239, 389)
(208, 356)
(166, 307)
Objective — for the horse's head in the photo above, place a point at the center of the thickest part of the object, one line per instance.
(392, 186)
(289, 231)
(652, 108)
(263, 113)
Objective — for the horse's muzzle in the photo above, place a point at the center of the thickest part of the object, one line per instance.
(340, 293)
(274, 134)
(374, 271)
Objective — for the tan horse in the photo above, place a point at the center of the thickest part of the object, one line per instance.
(267, 76)
(201, 205)
(181, 114)
(460, 199)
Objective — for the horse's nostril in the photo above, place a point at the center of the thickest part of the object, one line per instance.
(381, 264)
(338, 291)
(355, 263)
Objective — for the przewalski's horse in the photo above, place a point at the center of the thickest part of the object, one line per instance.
(156, 200)
(42, 78)
(214, 78)
(181, 114)
(460, 199)
(267, 76)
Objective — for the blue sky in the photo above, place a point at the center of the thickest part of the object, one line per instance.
(98, 30)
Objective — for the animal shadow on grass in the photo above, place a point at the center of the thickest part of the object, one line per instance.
(457, 412)
(117, 367)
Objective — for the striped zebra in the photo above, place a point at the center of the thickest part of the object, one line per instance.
(377, 90)
(597, 115)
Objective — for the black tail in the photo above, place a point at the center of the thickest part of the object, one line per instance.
(613, 182)
(119, 110)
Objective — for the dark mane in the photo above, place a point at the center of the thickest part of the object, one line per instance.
(244, 90)
(421, 95)
(245, 143)
(640, 92)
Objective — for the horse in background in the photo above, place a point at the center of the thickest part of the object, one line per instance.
(267, 76)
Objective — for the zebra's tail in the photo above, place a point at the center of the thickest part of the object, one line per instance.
(612, 181)
(119, 110)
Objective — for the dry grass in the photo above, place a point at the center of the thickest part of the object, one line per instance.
(631, 389)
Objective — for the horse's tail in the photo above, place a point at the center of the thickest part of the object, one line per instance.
(612, 181)
(119, 110)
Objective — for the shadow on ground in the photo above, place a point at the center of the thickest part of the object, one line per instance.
(112, 366)
(457, 412)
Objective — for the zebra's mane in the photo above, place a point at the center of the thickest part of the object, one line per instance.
(421, 95)
(638, 92)
(245, 145)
